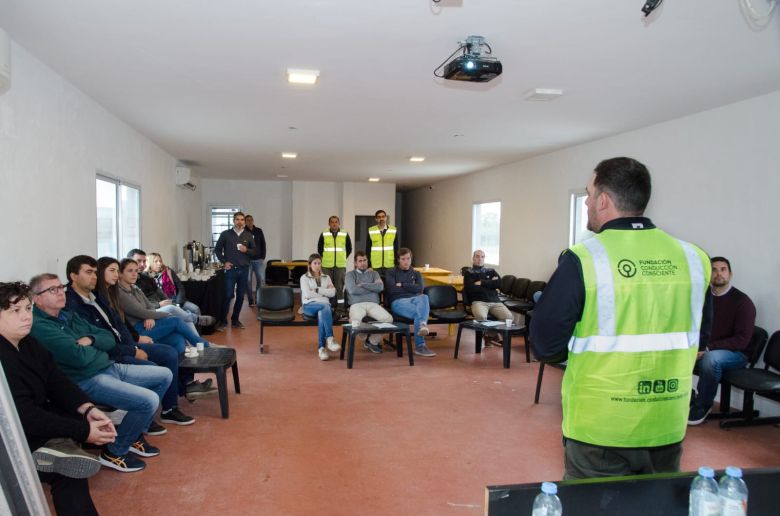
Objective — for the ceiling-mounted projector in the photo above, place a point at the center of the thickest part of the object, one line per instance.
(472, 65)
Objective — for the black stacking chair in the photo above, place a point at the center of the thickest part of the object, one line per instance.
(443, 300)
(275, 308)
(276, 274)
(507, 284)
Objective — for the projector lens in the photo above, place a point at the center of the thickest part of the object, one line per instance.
(470, 65)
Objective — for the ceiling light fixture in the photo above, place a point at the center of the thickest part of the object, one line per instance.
(302, 76)
(289, 155)
(542, 94)
(282, 176)
(373, 179)
(417, 159)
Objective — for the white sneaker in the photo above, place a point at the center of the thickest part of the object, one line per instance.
(333, 345)
(323, 353)
(424, 330)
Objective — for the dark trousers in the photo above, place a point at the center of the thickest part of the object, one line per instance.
(583, 460)
(235, 286)
(337, 276)
(70, 495)
(168, 357)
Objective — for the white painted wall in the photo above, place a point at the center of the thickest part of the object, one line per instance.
(53, 140)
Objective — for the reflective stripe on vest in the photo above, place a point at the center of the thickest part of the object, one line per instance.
(382, 248)
(628, 379)
(334, 251)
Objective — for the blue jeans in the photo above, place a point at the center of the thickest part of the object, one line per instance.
(171, 331)
(192, 308)
(324, 320)
(416, 308)
(235, 285)
(168, 358)
(188, 317)
(257, 268)
(710, 368)
(134, 388)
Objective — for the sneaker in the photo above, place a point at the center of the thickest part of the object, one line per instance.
(206, 320)
(125, 463)
(198, 386)
(423, 351)
(65, 457)
(143, 448)
(333, 345)
(215, 345)
(238, 325)
(492, 340)
(156, 428)
(698, 415)
(423, 330)
(323, 354)
(220, 326)
(176, 417)
(373, 348)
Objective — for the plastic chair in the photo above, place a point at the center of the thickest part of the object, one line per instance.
(275, 308)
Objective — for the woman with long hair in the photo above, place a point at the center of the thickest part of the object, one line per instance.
(316, 291)
(173, 289)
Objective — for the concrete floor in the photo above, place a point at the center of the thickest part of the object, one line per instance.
(312, 437)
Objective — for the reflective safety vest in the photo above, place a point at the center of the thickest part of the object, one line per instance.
(628, 380)
(334, 251)
(382, 250)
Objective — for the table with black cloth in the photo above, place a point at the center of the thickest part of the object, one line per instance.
(663, 494)
(208, 295)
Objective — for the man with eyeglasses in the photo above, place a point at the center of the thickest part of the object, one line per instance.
(81, 352)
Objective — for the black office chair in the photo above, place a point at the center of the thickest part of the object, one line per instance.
(296, 273)
(443, 300)
(276, 274)
(274, 308)
(507, 284)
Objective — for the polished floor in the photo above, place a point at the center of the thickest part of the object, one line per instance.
(312, 437)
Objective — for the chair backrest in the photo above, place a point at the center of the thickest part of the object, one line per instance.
(772, 354)
(507, 283)
(276, 298)
(441, 296)
(520, 288)
(757, 344)
(275, 274)
(297, 272)
(533, 288)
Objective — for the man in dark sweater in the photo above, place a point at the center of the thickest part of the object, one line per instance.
(55, 414)
(257, 264)
(480, 284)
(235, 249)
(733, 318)
(404, 287)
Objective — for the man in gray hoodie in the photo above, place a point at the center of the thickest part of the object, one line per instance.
(363, 288)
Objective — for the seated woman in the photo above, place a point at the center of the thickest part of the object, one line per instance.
(171, 286)
(141, 315)
(316, 291)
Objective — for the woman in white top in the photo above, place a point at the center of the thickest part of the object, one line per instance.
(316, 291)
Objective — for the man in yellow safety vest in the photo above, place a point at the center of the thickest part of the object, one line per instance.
(335, 246)
(382, 244)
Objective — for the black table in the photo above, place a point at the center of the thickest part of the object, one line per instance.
(506, 335)
(663, 494)
(217, 361)
(208, 295)
(399, 329)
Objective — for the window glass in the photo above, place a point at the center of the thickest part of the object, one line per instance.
(107, 230)
(578, 219)
(221, 219)
(486, 230)
(118, 217)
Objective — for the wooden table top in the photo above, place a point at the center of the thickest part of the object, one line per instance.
(432, 271)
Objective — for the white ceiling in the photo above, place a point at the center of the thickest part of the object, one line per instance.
(206, 81)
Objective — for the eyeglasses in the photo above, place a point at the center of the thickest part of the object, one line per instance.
(59, 289)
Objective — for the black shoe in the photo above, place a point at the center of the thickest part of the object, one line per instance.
(64, 456)
(176, 417)
(198, 386)
(239, 325)
(125, 463)
(156, 428)
(220, 326)
(143, 448)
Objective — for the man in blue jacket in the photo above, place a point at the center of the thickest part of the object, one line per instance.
(404, 287)
(81, 352)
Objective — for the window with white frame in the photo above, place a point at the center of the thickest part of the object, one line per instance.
(486, 230)
(221, 219)
(578, 218)
(118, 216)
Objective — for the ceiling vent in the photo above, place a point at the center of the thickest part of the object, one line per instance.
(540, 94)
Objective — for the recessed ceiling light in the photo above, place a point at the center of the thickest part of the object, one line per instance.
(302, 76)
(289, 155)
(542, 94)
(417, 159)
(282, 175)
(373, 179)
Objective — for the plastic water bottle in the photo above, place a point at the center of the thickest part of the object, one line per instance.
(703, 500)
(547, 502)
(733, 493)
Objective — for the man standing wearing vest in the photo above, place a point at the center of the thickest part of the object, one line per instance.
(381, 244)
(335, 246)
(627, 308)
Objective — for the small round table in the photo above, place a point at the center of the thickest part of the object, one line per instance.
(400, 330)
(506, 335)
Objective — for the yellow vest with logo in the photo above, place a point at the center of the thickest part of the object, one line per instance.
(628, 379)
(382, 250)
(334, 250)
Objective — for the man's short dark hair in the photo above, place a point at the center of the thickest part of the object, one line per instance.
(12, 293)
(236, 214)
(134, 252)
(378, 212)
(627, 182)
(720, 259)
(334, 217)
(358, 254)
(404, 251)
(74, 265)
(36, 280)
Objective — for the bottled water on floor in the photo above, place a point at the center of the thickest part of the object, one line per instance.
(547, 502)
(703, 500)
(733, 493)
